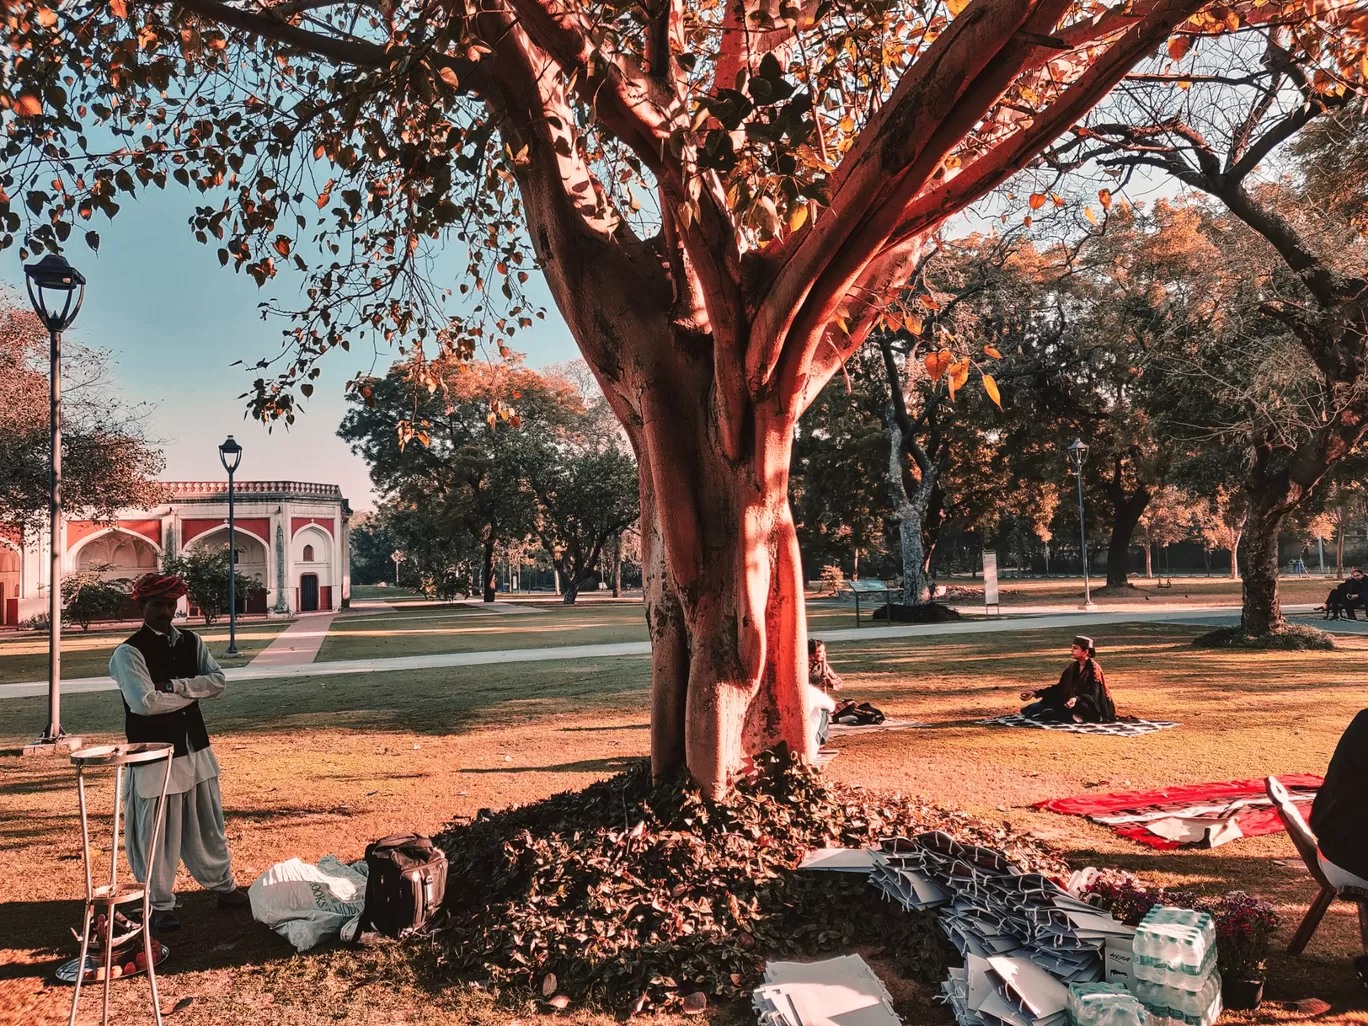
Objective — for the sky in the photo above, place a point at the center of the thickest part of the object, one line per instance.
(176, 321)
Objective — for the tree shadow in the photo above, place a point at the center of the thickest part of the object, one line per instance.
(614, 764)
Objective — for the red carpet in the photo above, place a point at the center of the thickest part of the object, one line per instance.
(1252, 821)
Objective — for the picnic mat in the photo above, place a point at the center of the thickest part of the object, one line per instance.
(1131, 728)
(846, 729)
(1187, 815)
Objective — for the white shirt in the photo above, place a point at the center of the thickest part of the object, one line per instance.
(129, 670)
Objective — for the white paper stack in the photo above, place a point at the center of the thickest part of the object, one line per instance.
(836, 992)
(990, 911)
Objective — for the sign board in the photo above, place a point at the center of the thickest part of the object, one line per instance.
(990, 581)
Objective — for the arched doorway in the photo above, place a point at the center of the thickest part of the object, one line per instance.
(9, 583)
(308, 593)
(250, 559)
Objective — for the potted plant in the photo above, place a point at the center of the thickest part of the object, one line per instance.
(1244, 926)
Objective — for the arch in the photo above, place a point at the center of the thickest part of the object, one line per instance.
(251, 550)
(128, 554)
(308, 553)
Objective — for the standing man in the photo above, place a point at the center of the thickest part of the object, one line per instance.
(162, 674)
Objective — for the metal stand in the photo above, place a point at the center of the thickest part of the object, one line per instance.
(107, 897)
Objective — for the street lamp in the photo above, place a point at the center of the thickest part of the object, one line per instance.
(398, 558)
(56, 290)
(230, 455)
(1078, 452)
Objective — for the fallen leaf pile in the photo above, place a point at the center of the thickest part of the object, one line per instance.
(633, 895)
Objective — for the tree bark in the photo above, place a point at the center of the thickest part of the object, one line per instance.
(617, 565)
(1149, 561)
(1126, 512)
(488, 568)
(1262, 613)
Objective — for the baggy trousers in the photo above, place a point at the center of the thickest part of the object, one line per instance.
(193, 834)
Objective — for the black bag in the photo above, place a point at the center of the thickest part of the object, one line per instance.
(405, 884)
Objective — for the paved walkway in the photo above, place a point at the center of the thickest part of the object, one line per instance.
(297, 644)
(370, 606)
(257, 670)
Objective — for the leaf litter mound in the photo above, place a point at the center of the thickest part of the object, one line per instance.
(636, 895)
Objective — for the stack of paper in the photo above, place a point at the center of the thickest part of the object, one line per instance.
(836, 992)
(991, 911)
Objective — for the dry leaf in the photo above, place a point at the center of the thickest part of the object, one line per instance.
(120, 8)
(959, 374)
(1105, 198)
(695, 1003)
(993, 352)
(1087, 212)
(560, 1001)
(184, 1002)
(28, 106)
(1313, 1006)
(548, 985)
(797, 215)
(937, 363)
(1178, 47)
(956, 6)
(449, 77)
(1037, 200)
(990, 386)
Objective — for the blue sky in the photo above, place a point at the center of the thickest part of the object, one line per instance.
(176, 321)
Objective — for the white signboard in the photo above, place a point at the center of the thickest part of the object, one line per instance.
(990, 584)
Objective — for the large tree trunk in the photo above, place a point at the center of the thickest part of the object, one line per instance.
(1126, 511)
(1262, 612)
(571, 590)
(1235, 556)
(488, 568)
(1149, 561)
(911, 511)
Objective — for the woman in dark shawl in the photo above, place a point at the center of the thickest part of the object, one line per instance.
(1081, 694)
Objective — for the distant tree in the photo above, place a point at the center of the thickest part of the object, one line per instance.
(585, 496)
(1221, 521)
(372, 548)
(838, 469)
(1167, 518)
(206, 575)
(1305, 263)
(107, 463)
(446, 455)
(87, 596)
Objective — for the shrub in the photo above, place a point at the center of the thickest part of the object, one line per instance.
(1244, 926)
(87, 597)
(832, 579)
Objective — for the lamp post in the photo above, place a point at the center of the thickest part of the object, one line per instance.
(56, 290)
(398, 558)
(1078, 453)
(230, 455)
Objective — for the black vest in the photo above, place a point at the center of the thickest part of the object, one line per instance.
(183, 728)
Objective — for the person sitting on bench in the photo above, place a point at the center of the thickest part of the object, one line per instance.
(1081, 694)
(1355, 592)
(1339, 815)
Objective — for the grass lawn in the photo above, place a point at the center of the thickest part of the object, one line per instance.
(24, 656)
(1185, 590)
(317, 766)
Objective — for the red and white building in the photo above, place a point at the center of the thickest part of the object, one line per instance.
(292, 536)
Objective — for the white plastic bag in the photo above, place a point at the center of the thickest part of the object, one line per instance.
(307, 904)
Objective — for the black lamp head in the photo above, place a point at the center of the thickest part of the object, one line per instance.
(230, 454)
(56, 290)
(1078, 452)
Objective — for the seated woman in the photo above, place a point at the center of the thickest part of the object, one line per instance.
(820, 673)
(1081, 694)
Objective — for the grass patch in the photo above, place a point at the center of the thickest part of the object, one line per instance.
(24, 656)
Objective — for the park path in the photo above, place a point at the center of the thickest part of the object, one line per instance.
(297, 644)
(345, 667)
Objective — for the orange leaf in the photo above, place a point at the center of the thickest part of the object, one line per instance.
(1087, 212)
(913, 323)
(1037, 200)
(449, 77)
(1104, 196)
(993, 352)
(29, 106)
(323, 196)
(47, 17)
(956, 6)
(959, 374)
(282, 245)
(1179, 46)
(1058, 200)
(120, 8)
(937, 363)
(928, 302)
(990, 386)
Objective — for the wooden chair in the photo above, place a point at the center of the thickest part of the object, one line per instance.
(1305, 842)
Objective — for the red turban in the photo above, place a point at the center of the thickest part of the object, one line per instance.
(158, 586)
